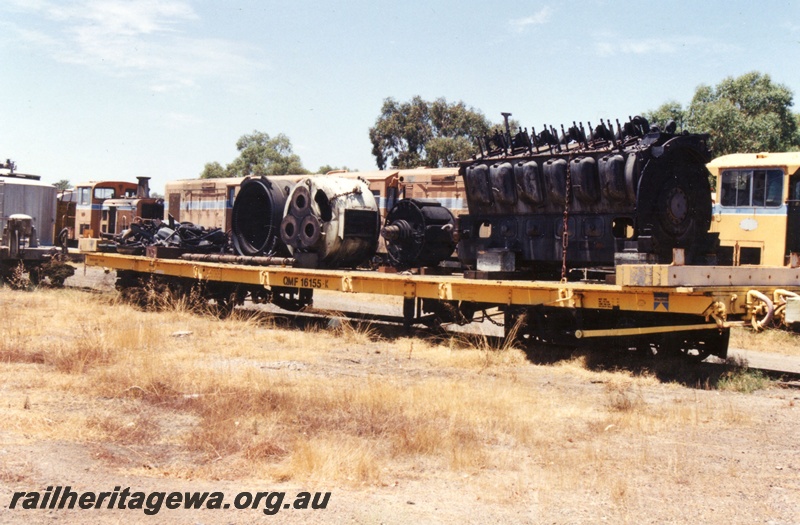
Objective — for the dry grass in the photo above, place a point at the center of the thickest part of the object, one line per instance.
(243, 397)
(776, 341)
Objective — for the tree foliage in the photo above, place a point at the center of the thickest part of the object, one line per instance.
(327, 167)
(423, 133)
(671, 110)
(259, 154)
(213, 170)
(749, 113)
(63, 184)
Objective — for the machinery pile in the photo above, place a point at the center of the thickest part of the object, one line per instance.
(155, 232)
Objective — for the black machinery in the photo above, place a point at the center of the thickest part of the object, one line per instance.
(546, 202)
(418, 232)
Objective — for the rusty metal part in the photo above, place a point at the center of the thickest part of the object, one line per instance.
(145, 233)
(779, 298)
(761, 306)
(565, 231)
(253, 260)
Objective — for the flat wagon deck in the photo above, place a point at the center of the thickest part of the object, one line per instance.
(689, 309)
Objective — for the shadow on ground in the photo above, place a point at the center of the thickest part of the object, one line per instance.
(668, 369)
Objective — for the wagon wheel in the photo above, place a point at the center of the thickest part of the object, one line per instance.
(227, 300)
(35, 275)
(690, 349)
(63, 240)
(292, 299)
(694, 352)
(695, 346)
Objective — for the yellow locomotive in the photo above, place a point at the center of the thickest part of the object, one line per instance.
(757, 208)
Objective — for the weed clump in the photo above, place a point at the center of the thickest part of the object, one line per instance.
(741, 378)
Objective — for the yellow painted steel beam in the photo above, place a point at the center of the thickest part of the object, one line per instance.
(675, 299)
(645, 330)
(667, 275)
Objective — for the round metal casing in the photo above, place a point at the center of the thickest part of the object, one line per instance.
(257, 213)
(419, 232)
(331, 222)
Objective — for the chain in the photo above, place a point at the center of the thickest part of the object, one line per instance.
(487, 317)
(565, 232)
(355, 191)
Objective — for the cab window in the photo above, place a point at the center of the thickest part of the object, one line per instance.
(83, 196)
(752, 188)
(103, 193)
(794, 193)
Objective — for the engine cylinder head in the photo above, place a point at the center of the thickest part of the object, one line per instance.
(636, 189)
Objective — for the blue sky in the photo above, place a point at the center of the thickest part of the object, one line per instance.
(112, 89)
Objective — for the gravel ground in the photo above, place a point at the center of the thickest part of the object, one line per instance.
(742, 469)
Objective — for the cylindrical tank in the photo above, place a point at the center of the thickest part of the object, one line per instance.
(419, 232)
(257, 214)
(331, 222)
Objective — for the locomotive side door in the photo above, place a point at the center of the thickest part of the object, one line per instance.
(230, 198)
(83, 213)
(108, 219)
(793, 215)
(175, 205)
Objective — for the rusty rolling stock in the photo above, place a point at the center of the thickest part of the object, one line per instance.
(209, 202)
(104, 208)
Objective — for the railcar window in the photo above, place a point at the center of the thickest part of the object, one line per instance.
(759, 187)
(68, 196)
(83, 196)
(795, 193)
(725, 255)
(103, 193)
(391, 198)
(749, 255)
(752, 188)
